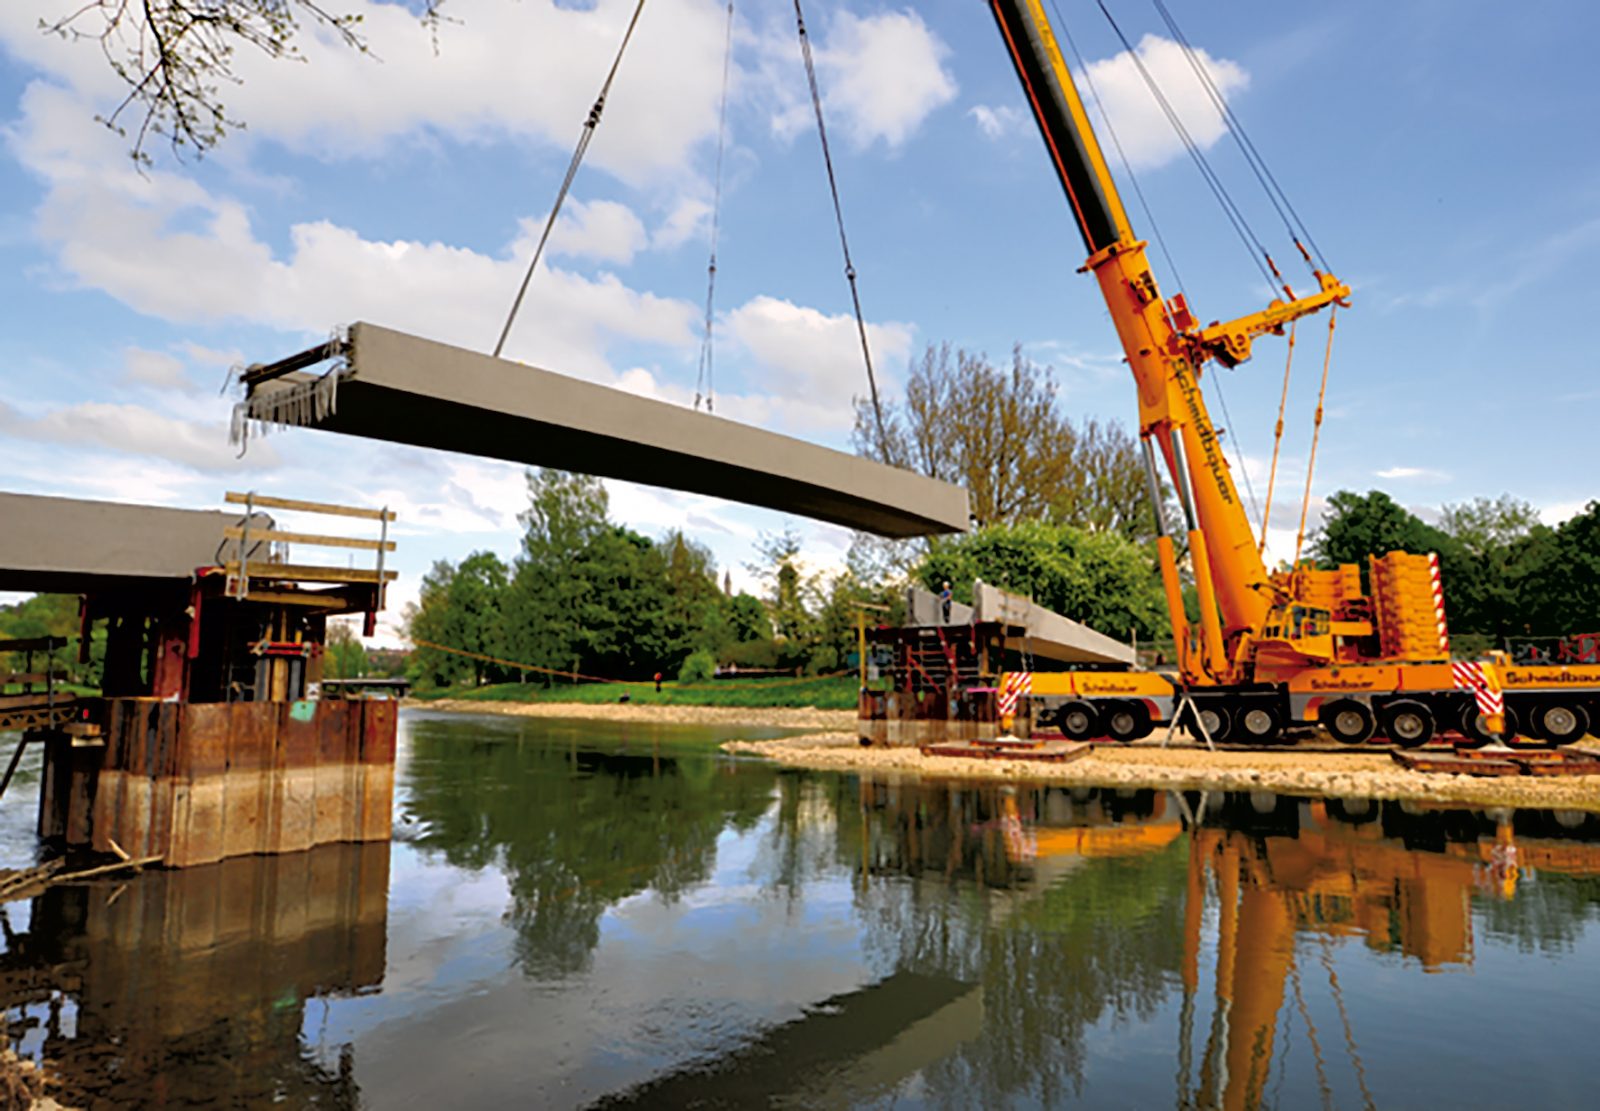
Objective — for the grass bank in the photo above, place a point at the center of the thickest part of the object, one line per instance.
(830, 693)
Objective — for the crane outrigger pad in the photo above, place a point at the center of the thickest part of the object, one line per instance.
(387, 385)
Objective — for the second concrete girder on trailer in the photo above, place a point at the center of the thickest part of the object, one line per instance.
(404, 389)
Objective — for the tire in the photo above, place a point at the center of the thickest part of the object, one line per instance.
(1078, 721)
(1355, 812)
(1474, 733)
(1347, 721)
(1258, 723)
(1409, 723)
(1562, 723)
(1126, 722)
(1215, 717)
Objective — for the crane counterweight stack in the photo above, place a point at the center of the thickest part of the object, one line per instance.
(1271, 647)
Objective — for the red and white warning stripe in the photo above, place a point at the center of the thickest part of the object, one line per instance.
(1013, 685)
(1470, 676)
(1438, 601)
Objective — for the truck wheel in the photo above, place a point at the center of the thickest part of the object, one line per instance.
(1475, 732)
(1216, 719)
(1126, 721)
(1347, 721)
(1258, 723)
(1562, 723)
(1078, 721)
(1408, 723)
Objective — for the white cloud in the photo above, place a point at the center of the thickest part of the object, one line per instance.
(528, 71)
(1147, 137)
(133, 430)
(1557, 512)
(687, 219)
(601, 230)
(884, 75)
(881, 77)
(808, 356)
(1402, 473)
(153, 368)
(996, 121)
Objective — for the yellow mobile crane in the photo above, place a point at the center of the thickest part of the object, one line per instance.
(1272, 647)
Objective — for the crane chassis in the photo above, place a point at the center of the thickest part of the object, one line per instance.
(1271, 649)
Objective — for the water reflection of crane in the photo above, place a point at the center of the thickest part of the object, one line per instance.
(1354, 872)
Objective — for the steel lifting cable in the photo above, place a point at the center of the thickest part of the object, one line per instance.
(1252, 156)
(838, 213)
(706, 379)
(1277, 441)
(1316, 431)
(1252, 243)
(589, 126)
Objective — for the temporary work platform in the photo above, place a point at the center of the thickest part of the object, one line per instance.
(943, 672)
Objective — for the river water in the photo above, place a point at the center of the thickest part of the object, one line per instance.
(584, 914)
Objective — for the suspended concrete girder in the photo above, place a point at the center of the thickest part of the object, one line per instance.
(403, 389)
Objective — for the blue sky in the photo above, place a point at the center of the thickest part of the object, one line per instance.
(1443, 155)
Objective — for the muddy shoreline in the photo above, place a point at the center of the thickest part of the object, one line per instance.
(1352, 775)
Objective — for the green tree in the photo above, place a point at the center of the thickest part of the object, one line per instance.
(50, 615)
(545, 607)
(1355, 526)
(1558, 586)
(693, 606)
(1102, 579)
(1494, 537)
(1001, 434)
(475, 601)
(429, 620)
(1487, 549)
(780, 573)
(345, 656)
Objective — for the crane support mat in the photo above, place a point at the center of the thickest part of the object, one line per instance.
(1543, 762)
(1048, 752)
(387, 385)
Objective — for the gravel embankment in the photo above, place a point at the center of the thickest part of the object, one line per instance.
(1335, 774)
(778, 717)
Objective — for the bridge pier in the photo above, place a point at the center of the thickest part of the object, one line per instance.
(210, 739)
(195, 783)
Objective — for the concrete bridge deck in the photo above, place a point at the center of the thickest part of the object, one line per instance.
(402, 389)
(76, 546)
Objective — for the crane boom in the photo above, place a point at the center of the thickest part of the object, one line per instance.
(1166, 350)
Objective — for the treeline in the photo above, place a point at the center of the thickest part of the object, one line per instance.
(51, 615)
(587, 595)
(1505, 573)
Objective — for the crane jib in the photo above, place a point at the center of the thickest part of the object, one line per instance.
(1042, 72)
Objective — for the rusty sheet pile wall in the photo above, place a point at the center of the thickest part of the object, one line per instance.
(195, 783)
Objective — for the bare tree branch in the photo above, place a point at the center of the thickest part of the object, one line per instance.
(175, 55)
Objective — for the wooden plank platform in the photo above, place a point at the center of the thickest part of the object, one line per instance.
(1046, 752)
(1541, 762)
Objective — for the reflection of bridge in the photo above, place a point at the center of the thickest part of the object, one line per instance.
(387, 385)
(122, 987)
